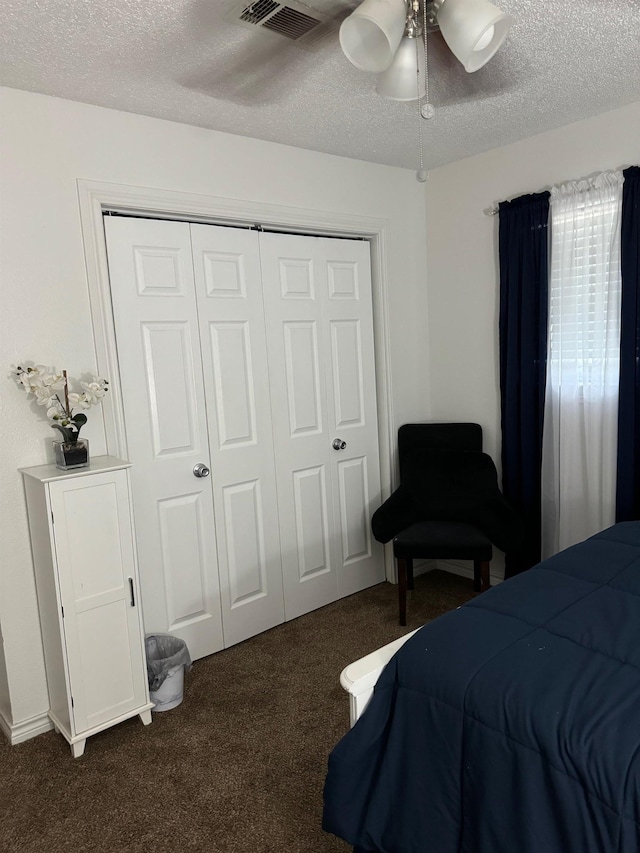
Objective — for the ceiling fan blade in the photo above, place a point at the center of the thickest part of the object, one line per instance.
(251, 73)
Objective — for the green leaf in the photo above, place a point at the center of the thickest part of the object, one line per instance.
(68, 434)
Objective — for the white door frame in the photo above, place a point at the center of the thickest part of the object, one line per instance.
(96, 197)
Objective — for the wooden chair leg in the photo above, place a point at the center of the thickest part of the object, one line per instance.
(485, 579)
(402, 590)
(409, 563)
(481, 580)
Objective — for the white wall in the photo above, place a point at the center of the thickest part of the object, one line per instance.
(462, 269)
(47, 144)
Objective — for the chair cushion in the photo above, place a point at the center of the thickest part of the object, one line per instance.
(442, 540)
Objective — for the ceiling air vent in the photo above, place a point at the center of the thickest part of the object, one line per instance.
(255, 12)
(295, 21)
(291, 23)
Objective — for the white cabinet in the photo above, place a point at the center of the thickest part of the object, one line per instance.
(88, 596)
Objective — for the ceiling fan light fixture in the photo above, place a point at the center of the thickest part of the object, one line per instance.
(474, 30)
(400, 81)
(371, 35)
(485, 39)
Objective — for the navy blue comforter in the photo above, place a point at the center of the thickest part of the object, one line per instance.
(510, 725)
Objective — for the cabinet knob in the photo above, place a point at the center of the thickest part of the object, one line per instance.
(200, 470)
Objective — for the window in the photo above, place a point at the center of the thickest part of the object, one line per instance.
(584, 296)
(583, 362)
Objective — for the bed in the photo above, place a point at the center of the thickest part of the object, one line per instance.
(509, 725)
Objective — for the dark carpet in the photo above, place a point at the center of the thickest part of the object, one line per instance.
(238, 767)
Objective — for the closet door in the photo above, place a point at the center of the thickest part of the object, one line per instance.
(320, 339)
(155, 312)
(236, 377)
(251, 353)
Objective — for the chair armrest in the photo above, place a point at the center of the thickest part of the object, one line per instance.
(396, 513)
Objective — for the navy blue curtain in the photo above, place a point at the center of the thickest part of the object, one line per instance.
(524, 288)
(628, 474)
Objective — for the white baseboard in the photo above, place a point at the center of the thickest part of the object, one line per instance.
(465, 569)
(19, 732)
(5, 726)
(456, 567)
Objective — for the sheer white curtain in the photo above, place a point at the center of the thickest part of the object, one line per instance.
(581, 404)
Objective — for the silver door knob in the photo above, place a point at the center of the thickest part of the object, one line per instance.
(339, 444)
(200, 470)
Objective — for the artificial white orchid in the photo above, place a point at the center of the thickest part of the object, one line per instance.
(93, 393)
(47, 386)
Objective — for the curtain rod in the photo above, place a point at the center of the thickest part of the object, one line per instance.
(495, 209)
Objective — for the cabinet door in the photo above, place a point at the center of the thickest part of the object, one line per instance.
(98, 587)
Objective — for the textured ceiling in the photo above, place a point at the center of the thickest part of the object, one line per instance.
(182, 60)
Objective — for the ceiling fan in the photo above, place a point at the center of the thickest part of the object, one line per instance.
(388, 37)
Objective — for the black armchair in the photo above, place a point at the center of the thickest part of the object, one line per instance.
(448, 504)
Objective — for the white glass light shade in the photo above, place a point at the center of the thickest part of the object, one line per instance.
(400, 81)
(370, 36)
(473, 29)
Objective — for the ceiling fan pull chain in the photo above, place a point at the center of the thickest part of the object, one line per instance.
(421, 174)
(425, 110)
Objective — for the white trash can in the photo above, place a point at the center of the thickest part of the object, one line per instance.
(171, 691)
(167, 658)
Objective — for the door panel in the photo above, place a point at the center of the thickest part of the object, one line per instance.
(168, 363)
(230, 357)
(348, 330)
(228, 285)
(303, 377)
(346, 364)
(181, 524)
(320, 339)
(158, 339)
(354, 506)
(312, 530)
(297, 360)
(245, 542)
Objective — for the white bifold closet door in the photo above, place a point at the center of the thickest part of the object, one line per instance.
(252, 354)
(317, 294)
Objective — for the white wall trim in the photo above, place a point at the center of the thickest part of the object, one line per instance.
(96, 197)
(5, 726)
(456, 567)
(26, 729)
(465, 569)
